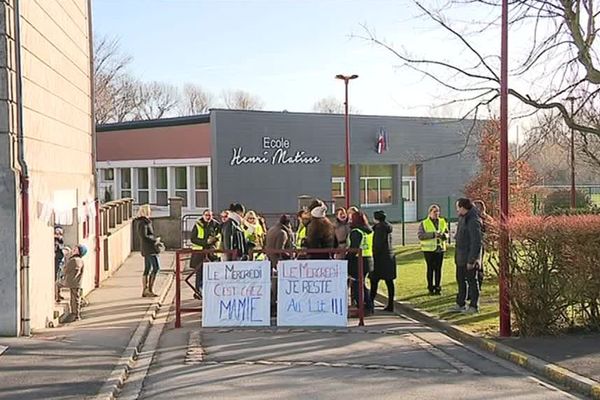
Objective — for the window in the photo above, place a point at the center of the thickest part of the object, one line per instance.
(125, 182)
(86, 223)
(201, 187)
(409, 189)
(162, 189)
(375, 185)
(338, 181)
(143, 193)
(181, 184)
(108, 175)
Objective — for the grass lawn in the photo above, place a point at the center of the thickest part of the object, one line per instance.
(411, 286)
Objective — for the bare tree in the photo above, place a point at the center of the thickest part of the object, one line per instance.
(331, 105)
(562, 58)
(547, 148)
(241, 100)
(126, 99)
(589, 144)
(157, 100)
(195, 100)
(110, 79)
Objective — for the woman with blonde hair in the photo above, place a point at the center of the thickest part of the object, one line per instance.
(253, 230)
(149, 248)
(433, 235)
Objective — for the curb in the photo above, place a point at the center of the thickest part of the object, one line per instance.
(112, 386)
(550, 371)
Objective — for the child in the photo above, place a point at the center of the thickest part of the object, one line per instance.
(73, 273)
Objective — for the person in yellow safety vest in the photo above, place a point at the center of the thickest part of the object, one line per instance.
(254, 232)
(303, 220)
(204, 236)
(433, 235)
(361, 236)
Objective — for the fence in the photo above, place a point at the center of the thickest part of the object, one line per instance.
(182, 254)
(114, 238)
(537, 200)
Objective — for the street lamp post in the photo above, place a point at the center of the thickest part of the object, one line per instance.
(573, 192)
(505, 329)
(346, 79)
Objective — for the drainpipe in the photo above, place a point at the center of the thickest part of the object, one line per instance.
(94, 146)
(25, 328)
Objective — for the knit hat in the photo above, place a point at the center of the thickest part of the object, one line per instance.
(82, 249)
(379, 215)
(319, 211)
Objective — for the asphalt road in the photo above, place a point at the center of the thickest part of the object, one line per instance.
(390, 358)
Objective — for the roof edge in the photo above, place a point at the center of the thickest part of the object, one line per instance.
(154, 123)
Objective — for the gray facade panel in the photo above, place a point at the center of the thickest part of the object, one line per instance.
(273, 187)
(9, 279)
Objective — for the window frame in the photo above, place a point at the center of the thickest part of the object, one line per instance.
(160, 190)
(121, 180)
(364, 202)
(197, 191)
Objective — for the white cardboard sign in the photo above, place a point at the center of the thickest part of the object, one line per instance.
(236, 293)
(312, 293)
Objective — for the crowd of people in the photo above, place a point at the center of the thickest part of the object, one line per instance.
(246, 234)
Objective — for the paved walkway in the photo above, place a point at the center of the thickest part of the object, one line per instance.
(578, 353)
(73, 361)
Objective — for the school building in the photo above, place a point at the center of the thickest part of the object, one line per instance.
(269, 160)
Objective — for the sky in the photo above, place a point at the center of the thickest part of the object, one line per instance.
(287, 52)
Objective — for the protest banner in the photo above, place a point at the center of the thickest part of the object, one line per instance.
(236, 293)
(312, 293)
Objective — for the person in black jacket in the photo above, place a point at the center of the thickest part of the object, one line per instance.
(467, 256)
(359, 237)
(384, 260)
(232, 234)
(204, 236)
(149, 249)
(59, 260)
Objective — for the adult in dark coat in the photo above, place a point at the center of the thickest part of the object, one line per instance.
(279, 237)
(232, 234)
(204, 236)
(384, 260)
(149, 250)
(359, 234)
(467, 256)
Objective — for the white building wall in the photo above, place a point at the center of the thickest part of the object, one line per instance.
(57, 124)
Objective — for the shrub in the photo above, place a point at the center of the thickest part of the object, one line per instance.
(561, 199)
(555, 277)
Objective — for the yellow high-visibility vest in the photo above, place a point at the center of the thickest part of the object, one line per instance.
(301, 234)
(200, 236)
(366, 243)
(429, 227)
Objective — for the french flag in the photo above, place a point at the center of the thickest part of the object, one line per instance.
(382, 142)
